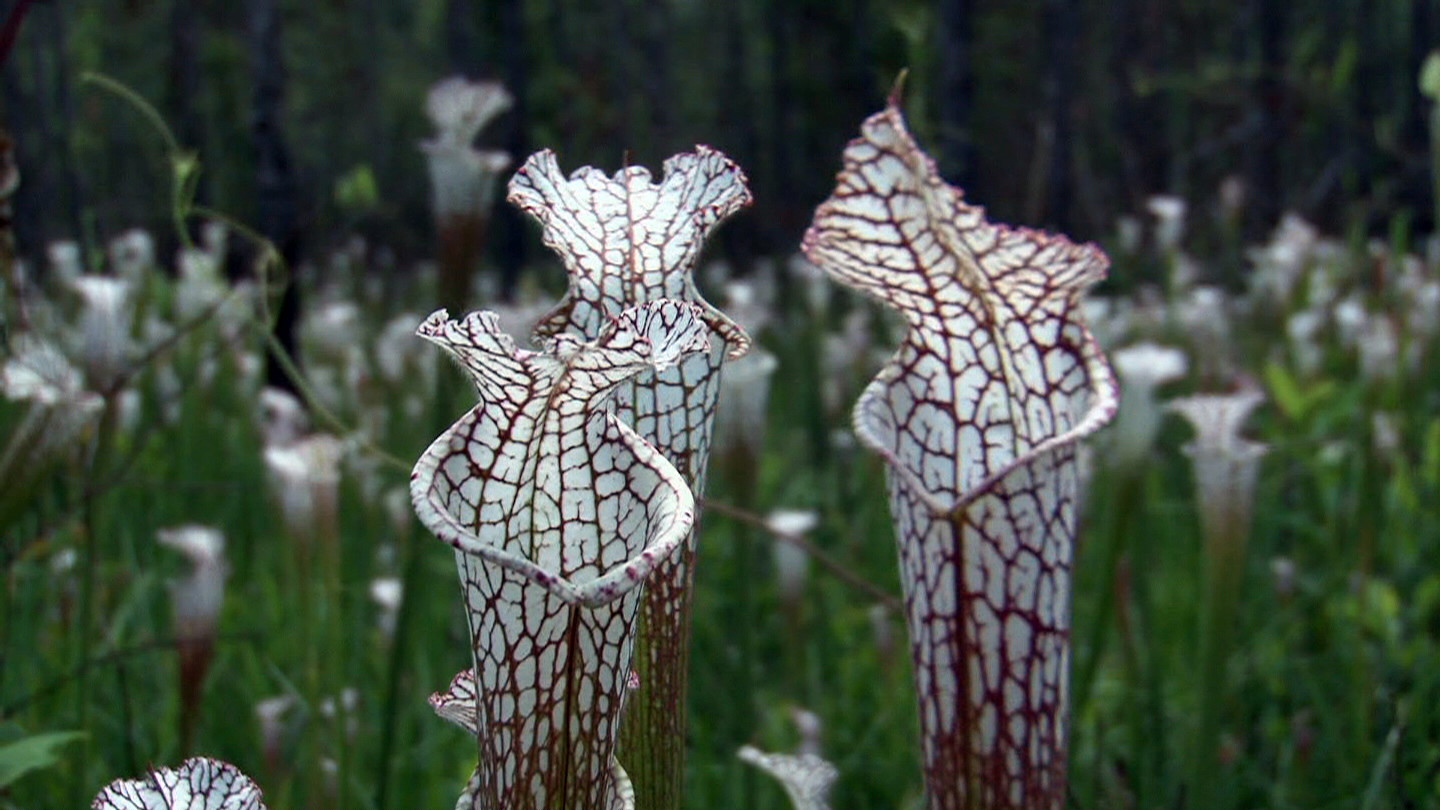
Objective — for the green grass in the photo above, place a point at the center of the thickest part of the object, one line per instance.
(1329, 698)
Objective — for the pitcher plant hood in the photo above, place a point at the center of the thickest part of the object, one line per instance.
(976, 417)
(559, 513)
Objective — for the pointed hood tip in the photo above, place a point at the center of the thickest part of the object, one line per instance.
(433, 323)
(896, 100)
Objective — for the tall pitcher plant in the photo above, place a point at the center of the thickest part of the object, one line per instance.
(559, 513)
(976, 417)
(626, 240)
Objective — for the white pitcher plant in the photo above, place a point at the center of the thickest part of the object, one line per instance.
(567, 492)
(463, 179)
(626, 240)
(559, 512)
(976, 417)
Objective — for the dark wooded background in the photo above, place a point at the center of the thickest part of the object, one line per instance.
(1061, 113)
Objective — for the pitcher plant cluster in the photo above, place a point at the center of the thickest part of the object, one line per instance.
(569, 492)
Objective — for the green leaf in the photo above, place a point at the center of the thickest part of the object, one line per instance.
(1285, 391)
(1431, 453)
(356, 191)
(32, 753)
(1294, 399)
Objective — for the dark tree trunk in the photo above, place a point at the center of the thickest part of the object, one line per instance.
(183, 84)
(30, 198)
(184, 73)
(462, 39)
(276, 190)
(50, 38)
(787, 48)
(12, 20)
(955, 86)
(368, 73)
(656, 25)
(509, 229)
(621, 70)
(1137, 44)
(740, 120)
(1424, 35)
(1061, 31)
(1266, 194)
(1122, 41)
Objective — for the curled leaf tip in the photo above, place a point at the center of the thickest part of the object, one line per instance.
(663, 332)
(993, 307)
(457, 703)
(626, 238)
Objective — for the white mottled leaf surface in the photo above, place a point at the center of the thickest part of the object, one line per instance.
(976, 416)
(625, 240)
(199, 783)
(458, 702)
(559, 512)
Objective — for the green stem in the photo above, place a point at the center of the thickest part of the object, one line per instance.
(1220, 601)
(1375, 786)
(84, 626)
(399, 652)
(1119, 523)
(743, 465)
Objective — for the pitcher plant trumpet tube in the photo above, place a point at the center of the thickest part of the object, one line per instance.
(626, 240)
(976, 417)
(559, 513)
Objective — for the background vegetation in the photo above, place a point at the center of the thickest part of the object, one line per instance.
(1064, 113)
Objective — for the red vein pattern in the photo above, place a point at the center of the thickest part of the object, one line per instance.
(976, 417)
(559, 513)
(458, 703)
(626, 240)
(199, 783)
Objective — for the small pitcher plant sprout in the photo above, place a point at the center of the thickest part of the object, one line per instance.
(305, 480)
(1142, 367)
(271, 714)
(806, 776)
(790, 561)
(976, 417)
(463, 179)
(1226, 466)
(625, 241)
(559, 513)
(105, 322)
(196, 599)
(744, 398)
(132, 255)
